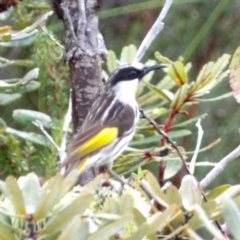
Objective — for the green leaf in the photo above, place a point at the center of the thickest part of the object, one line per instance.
(6, 98)
(49, 196)
(190, 192)
(128, 53)
(207, 223)
(173, 196)
(6, 233)
(161, 58)
(226, 95)
(158, 91)
(189, 122)
(172, 167)
(31, 86)
(29, 136)
(30, 189)
(28, 116)
(180, 97)
(235, 74)
(140, 233)
(111, 61)
(177, 72)
(210, 74)
(12, 191)
(77, 229)
(212, 209)
(138, 217)
(155, 187)
(126, 203)
(218, 191)
(111, 206)
(68, 183)
(3, 126)
(22, 25)
(110, 229)
(160, 219)
(61, 219)
(6, 38)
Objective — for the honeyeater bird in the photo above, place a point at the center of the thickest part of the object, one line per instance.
(110, 123)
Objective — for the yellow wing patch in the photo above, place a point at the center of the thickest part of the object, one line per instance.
(103, 138)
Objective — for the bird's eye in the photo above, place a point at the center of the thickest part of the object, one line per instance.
(133, 74)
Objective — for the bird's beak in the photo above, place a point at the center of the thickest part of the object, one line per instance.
(148, 69)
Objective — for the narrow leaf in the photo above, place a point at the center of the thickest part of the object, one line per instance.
(158, 91)
(128, 53)
(29, 136)
(28, 116)
(14, 194)
(190, 192)
(110, 229)
(30, 187)
(49, 195)
(126, 203)
(138, 217)
(111, 61)
(173, 196)
(161, 58)
(140, 233)
(235, 74)
(6, 233)
(177, 72)
(155, 186)
(78, 206)
(232, 217)
(77, 229)
(6, 98)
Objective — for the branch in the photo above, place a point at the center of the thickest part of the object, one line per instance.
(161, 132)
(67, 122)
(199, 140)
(220, 167)
(156, 28)
(40, 126)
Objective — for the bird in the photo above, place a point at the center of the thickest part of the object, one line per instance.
(110, 123)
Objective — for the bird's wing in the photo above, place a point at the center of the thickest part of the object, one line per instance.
(92, 137)
(90, 140)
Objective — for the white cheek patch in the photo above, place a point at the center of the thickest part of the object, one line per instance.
(125, 90)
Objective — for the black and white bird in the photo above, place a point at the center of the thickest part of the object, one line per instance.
(111, 122)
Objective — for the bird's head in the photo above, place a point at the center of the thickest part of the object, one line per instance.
(126, 77)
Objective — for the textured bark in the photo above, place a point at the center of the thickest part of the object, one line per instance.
(85, 52)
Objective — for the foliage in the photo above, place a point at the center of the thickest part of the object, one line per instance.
(164, 100)
(97, 211)
(102, 210)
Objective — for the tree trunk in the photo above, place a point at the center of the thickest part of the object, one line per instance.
(85, 52)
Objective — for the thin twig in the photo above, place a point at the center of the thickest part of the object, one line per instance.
(199, 140)
(40, 126)
(220, 167)
(161, 132)
(67, 122)
(156, 28)
(51, 36)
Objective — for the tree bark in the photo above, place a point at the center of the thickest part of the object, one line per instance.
(85, 52)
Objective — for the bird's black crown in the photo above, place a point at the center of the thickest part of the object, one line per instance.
(126, 73)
